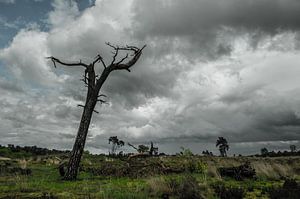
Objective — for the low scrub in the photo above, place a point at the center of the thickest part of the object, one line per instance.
(9, 168)
(238, 173)
(289, 190)
(223, 192)
(185, 188)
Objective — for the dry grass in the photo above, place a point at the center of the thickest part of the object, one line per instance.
(273, 168)
(158, 185)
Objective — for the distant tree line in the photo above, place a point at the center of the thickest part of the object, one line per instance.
(150, 150)
(264, 152)
(33, 150)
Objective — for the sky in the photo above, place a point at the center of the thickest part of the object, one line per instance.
(211, 68)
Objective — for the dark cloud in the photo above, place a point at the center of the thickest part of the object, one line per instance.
(211, 68)
(176, 18)
(203, 23)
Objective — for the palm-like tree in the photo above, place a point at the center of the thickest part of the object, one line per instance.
(293, 148)
(116, 143)
(223, 146)
(264, 151)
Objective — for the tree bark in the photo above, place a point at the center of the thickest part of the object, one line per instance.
(78, 146)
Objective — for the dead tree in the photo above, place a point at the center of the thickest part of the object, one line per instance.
(153, 150)
(94, 84)
(134, 147)
(144, 151)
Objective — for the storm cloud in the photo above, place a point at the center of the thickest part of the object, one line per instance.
(211, 68)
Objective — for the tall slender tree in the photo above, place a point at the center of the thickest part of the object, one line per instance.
(264, 151)
(223, 146)
(116, 143)
(293, 148)
(94, 83)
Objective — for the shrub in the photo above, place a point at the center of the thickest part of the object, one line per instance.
(186, 152)
(158, 186)
(185, 188)
(289, 190)
(229, 193)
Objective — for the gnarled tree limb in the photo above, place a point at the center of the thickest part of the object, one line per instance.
(55, 60)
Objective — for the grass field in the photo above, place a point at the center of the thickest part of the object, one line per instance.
(197, 177)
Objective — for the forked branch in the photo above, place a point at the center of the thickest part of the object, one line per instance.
(99, 59)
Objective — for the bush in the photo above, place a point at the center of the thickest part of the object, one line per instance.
(229, 193)
(185, 188)
(186, 152)
(289, 190)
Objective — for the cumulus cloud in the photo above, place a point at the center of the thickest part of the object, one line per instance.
(211, 68)
(64, 13)
(25, 57)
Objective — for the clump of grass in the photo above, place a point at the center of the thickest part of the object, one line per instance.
(158, 186)
(212, 172)
(22, 184)
(182, 187)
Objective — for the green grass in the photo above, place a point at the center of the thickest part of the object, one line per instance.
(45, 181)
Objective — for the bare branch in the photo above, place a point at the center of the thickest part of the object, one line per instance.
(136, 56)
(102, 95)
(114, 47)
(102, 101)
(86, 83)
(55, 60)
(123, 59)
(99, 59)
(125, 66)
(126, 48)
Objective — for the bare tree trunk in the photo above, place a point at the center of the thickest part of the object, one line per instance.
(78, 146)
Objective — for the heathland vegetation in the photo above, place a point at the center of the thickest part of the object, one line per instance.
(33, 172)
